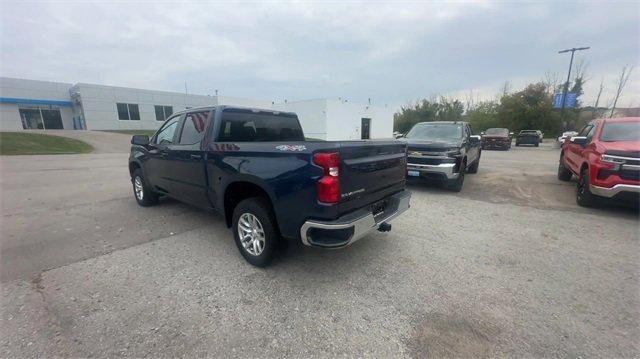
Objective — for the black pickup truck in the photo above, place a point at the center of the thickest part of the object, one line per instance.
(270, 184)
(443, 151)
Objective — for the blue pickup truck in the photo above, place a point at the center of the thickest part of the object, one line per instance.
(256, 168)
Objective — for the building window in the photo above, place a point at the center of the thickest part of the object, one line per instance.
(128, 111)
(163, 112)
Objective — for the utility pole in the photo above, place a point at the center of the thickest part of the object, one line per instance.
(566, 84)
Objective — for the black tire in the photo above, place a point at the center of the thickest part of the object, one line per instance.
(537, 144)
(563, 173)
(141, 191)
(517, 144)
(584, 197)
(456, 184)
(260, 210)
(474, 167)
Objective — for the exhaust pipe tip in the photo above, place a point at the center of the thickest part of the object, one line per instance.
(384, 227)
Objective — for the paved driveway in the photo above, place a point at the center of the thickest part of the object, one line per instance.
(508, 267)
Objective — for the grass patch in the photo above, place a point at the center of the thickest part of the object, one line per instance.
(133, 132)
(22, 143)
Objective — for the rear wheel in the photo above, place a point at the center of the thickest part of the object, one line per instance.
(563, 173)
(254, 231)
(141, 191)
(537, 144)
(584, 197)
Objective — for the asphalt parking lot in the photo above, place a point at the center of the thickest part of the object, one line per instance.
(510, 266)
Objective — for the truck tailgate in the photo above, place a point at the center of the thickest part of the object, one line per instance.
(370, 171)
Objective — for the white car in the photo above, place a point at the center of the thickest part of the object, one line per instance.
(565, 135)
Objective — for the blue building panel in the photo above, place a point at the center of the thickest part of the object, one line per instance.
(29, 101)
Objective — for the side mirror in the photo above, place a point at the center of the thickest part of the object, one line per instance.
(474, 139)
(400, 135)
(579, 140)
(511, 134)
(140, 140)
(481, 133)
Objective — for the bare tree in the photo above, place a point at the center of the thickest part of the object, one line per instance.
(599, 93)
(506, 88)
(622, 82)
(471, 100)
(468, 103)
(595, 106)
(581, 71)
(551, 81)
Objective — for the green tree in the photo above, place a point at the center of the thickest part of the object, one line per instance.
(435, 109)
(483, 116)
(529, 109)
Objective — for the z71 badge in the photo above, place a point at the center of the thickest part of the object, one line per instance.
(291, 148)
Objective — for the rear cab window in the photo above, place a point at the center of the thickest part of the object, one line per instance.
(240, 125)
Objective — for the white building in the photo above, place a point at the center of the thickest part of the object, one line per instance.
(29, 104)
(34, 104)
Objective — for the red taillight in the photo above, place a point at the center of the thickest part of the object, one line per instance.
(329, 184)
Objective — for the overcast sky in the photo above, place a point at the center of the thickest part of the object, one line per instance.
(390, 52)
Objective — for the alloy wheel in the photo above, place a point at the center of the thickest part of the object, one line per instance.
(251, 234)
(137, 186)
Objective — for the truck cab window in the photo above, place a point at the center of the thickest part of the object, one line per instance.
(590, 133)
(585, 130)
(250, 126)
(194, 127)
(166, 134)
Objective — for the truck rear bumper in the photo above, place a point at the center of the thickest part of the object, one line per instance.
(353, 226)
(609, 192)
(445, 169)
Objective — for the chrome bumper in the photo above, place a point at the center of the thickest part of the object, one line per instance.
(362, 222)
(612, 191)
(445, 168)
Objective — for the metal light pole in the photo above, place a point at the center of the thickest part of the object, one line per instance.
(566, 84)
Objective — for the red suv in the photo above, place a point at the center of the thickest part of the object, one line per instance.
(605, 156)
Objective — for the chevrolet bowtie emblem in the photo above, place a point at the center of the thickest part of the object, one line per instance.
(415, 153)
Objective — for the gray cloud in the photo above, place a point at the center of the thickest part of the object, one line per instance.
(390, 52)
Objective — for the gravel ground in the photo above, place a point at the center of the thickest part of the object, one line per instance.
(508, 267)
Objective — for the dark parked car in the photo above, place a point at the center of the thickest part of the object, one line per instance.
(255, 168)
(496, 138)
(528, 137)
(442, 151)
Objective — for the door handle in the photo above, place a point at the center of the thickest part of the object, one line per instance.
(196, 157)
